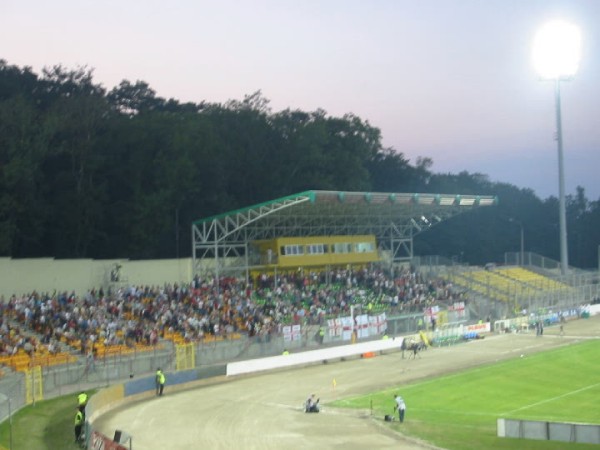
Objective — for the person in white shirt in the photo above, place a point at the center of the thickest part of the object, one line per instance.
(400, 406)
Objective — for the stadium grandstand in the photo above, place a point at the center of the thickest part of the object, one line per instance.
(317, 268)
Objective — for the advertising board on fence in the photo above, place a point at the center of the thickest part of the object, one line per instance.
(478, 327)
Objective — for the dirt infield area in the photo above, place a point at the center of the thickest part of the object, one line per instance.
(265, 411)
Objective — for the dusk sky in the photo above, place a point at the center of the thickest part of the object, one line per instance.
(452, 80)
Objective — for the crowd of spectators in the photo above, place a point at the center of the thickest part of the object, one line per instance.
(142, 314)
(12, 340)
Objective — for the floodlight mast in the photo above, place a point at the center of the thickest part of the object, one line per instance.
(556, 55)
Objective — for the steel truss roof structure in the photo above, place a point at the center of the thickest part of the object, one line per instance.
(394, 219)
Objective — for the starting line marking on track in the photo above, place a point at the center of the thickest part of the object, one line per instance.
(591, 386)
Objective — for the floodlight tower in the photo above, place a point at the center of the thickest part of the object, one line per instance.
(556, 55)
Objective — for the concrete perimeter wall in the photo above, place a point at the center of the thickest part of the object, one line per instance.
(549, 431)
(311, 356)
(22, 276)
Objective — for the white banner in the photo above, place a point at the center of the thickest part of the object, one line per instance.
(362, 326)
(292, 333)
(347, 328)
(296, 333)
(334, 327)
(287, 333)
(377, 324)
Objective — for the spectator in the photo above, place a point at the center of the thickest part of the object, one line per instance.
(142, 313)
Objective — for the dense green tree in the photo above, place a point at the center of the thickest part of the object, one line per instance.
(131, 99)
(15, 81)
(73, 187)
(90, 173)
(24, 141)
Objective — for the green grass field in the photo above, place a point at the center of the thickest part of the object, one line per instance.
(459, 411)
(46, 426)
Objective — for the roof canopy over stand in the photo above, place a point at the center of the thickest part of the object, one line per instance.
(394, 218)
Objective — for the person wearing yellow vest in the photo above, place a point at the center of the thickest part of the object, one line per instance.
(82, 400)
(78, 424)
(160, 381)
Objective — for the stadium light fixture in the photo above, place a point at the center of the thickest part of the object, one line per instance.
(557, 50)
(556, 55)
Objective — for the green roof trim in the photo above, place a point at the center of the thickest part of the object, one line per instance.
(367, 198)
(310, 194)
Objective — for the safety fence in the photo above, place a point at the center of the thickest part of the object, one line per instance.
(527, 322)
(29, 386)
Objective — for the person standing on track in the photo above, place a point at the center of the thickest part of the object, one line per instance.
(160, 382)
(400, 406)
(82, 400)
(78, 425)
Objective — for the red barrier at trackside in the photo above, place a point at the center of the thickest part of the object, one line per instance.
(101, 442)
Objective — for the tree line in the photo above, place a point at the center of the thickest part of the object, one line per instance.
(87, 172)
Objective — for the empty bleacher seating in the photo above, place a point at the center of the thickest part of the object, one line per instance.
(506, 284)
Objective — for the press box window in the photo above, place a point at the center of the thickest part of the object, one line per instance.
(315, 249)
(364, 247)
(342, 247)
(293, 250)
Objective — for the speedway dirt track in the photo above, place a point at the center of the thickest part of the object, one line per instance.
(265, 411)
